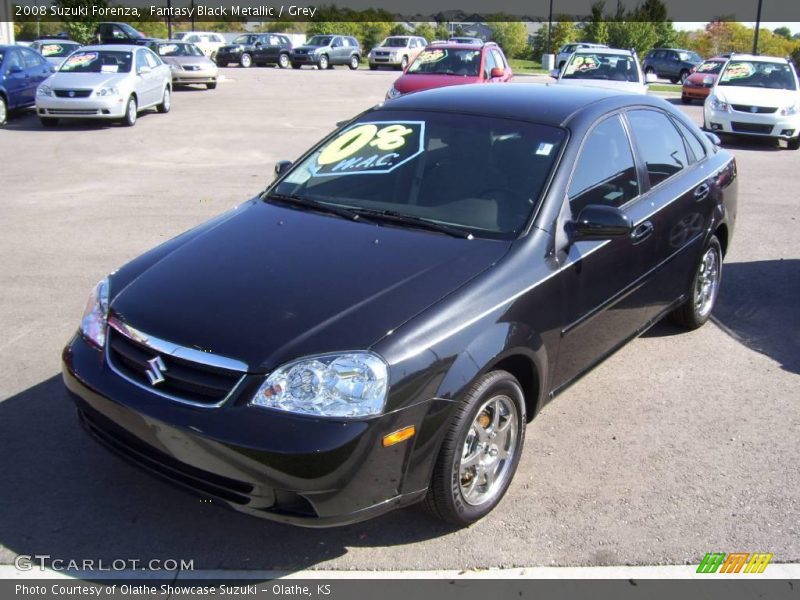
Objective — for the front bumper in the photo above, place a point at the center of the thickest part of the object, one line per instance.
(742, 123)
(305, 59)
(189, 77)
(289, 468)
(109, 107)
(394, 61)
(696, 92)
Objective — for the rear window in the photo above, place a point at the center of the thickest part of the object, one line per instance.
(710, 67)
(57, 50)
(611, 67)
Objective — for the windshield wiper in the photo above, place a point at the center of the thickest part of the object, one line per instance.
(396, 217)
(296, 200)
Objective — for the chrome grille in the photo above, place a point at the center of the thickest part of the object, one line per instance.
(763, 110)
(72, 93)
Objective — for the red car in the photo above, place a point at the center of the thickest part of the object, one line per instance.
(450, 63)
(699, 83)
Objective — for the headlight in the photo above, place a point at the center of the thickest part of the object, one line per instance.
(393, 93)
(95, 317)
(352, 384)
(44, 90)
(790, 110)
(717, 104)
(175, 67)
(107, 91)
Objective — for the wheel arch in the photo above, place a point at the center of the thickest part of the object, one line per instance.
(723, 236)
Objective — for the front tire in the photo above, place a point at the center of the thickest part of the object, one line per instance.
(131, 113)
(166, 102)
(246, 61)
(3, 112)
(211, 85)
(283, 61)
(323, 62)
(480, 452)
(354, 62)
(694, 313)
(793, 144)
(404, 63)
(682, 77)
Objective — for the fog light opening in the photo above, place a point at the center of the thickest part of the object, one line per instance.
(716, 127)
(787, 132)
(401, 435)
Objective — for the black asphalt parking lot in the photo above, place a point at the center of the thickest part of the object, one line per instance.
(678, 445)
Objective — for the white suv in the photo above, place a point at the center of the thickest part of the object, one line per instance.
(755, 95)
(208, 41)
(604, 67)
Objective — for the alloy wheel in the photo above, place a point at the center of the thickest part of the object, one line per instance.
(706, 284)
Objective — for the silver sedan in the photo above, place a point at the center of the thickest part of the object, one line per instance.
(105, 82)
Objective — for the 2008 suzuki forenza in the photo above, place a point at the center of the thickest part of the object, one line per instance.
(378, 326)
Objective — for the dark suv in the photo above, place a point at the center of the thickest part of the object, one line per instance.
(120, 33)
(325, 51)
(671, 63)
(259, 49)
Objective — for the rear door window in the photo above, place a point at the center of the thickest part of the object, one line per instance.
(659, 143)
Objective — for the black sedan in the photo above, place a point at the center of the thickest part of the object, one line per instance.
(378, 326)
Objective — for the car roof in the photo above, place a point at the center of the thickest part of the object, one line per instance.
(116, 47)
(546, 103)
(759, 58)
(614, 51)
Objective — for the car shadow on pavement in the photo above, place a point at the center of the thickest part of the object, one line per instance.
(758, 306)
(63, 495)
(28, 121)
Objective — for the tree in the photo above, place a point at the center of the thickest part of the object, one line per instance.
(425, 30)
(564, 32)
(596, 29)
(539, 45)
(511, 37)
(783, 32)
(639, 35)
(80, 29)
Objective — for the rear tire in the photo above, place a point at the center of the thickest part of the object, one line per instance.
(48, 121)
(166, 101)
(480, 451)
(3, 112)
(246, 61)
(686, 100)
(704, 290)
(131, 113)
(211, 85)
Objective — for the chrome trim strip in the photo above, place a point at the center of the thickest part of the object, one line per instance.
(161, 346)
(172, 349)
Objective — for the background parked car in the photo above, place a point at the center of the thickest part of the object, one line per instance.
(698, 84)
(55, 50)
(604, 67)
(21, 70)
(437, 64)
(567, 49)
(188, 63)
(325, 51)
(466, 40)
(259, 49)
(208, 41)
(397, 51)
(105, 82)
(671, 63)
(119, 33)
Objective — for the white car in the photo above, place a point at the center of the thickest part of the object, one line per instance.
(755, 95)
(604, 67)
(208, 41)
(567, 49)
(105, 82)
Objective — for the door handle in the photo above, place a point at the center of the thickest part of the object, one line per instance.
(641, 232)
(702, 191)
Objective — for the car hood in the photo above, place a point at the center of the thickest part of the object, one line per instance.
(272, 283)
(756, 96)
(699, 78)
(416, 82)
(198, 61)
(623, 86)
(85, 80)
(307, 48)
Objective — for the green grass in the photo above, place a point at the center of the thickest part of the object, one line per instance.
(522, 66)
(664, 87)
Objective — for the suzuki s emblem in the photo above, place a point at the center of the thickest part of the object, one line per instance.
(753, 109)
(155, 371)
(71, 94)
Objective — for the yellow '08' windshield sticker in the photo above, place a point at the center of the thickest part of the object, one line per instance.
(371, 148)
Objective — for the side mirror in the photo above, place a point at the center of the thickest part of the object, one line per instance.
(281, 167)
(598, 222)
(497, 72)
(714, 138)
(144, 70)
(650, 78)
(555, 73)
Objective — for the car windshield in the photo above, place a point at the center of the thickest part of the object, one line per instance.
(481, 175)
(447, 61)
(612, 67)
(56, 49)
(395, 43)
(244, 39)
(761, 74)
(98, 61)
(319, 40)
(131, 31)
(179, 50)
(710, 66)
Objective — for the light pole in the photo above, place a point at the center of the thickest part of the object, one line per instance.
(758, 26)
(169, 19)
(550, 28)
